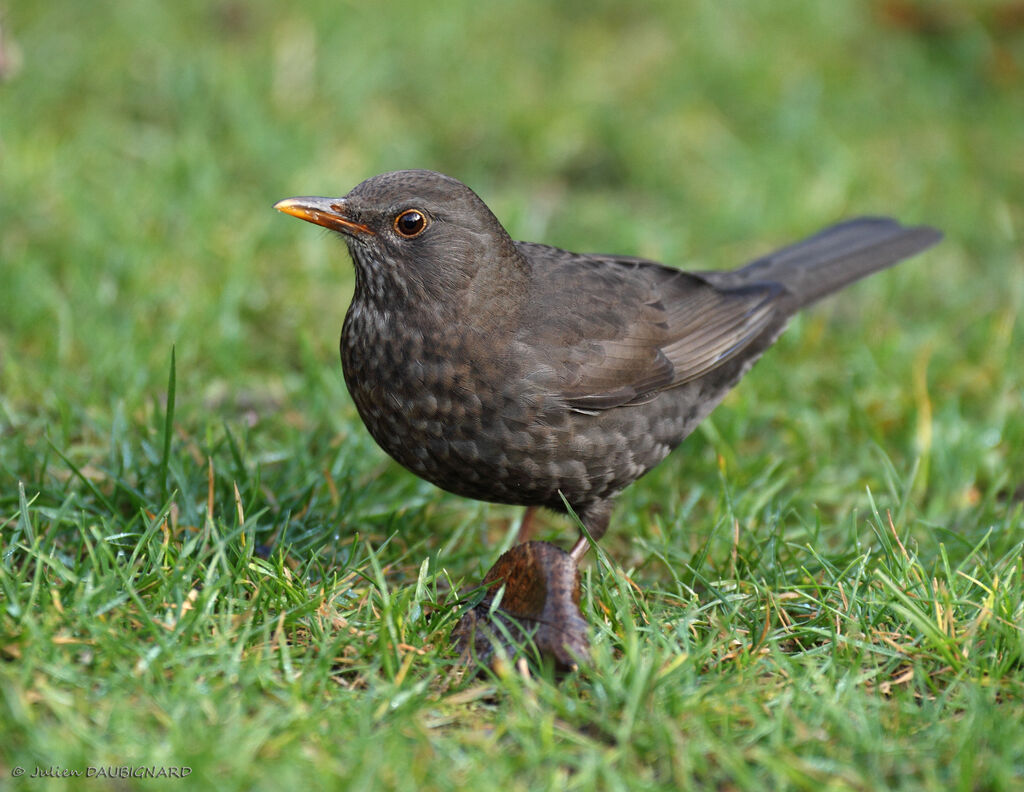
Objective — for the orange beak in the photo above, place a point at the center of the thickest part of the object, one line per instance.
(327, 212)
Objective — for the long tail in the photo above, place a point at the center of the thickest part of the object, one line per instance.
(837, 256)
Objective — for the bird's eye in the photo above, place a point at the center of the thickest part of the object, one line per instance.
(410, 223)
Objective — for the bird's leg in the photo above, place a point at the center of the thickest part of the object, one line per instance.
(595, 518)
(526, 526)
(541, 584)
(579, 549)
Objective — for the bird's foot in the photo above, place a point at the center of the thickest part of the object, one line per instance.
(540, 596)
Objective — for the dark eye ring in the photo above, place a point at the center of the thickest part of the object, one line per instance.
(410, 223)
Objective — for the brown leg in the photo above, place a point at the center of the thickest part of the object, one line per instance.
(579, 549)
(595, 517)
(526, 526)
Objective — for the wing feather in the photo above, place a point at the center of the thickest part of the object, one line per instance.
(619, 339)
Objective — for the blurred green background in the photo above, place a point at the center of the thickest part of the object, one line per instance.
(142, 145)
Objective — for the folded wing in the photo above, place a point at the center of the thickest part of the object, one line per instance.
(631, 328)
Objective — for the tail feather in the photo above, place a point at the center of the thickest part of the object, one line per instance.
(837, 256)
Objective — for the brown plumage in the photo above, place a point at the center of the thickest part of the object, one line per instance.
(517, 373)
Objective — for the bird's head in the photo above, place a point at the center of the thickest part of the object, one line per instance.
(411, 231)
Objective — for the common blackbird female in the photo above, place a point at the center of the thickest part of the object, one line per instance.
(512, 371)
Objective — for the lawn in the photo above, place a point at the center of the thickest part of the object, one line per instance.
(206, 564)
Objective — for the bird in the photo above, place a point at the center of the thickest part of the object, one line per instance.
(520, 373)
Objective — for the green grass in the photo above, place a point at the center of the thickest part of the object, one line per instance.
(822, 589)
